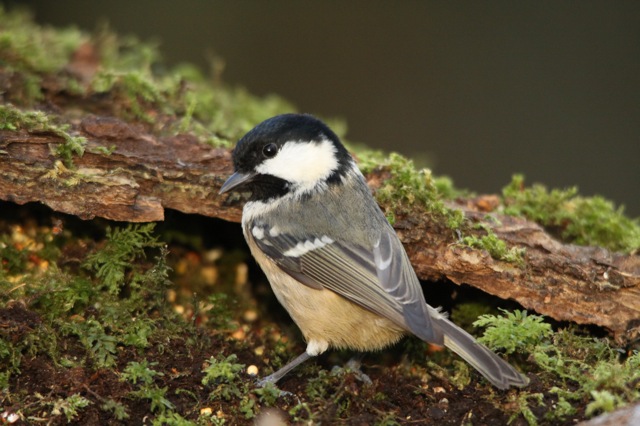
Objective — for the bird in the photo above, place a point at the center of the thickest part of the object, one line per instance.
(331, 257)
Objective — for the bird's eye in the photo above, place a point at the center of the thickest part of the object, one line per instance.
(269, 150)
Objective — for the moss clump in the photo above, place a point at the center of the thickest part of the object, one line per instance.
(580, 220)
(123, 246)
(69, 406)
(222, 374)
(408, 187)
(496, 247)
(28, 46)
(12, 118)
(29, 52)
(124, 77)
(584, 370)
(81, 300)
(142, 376)
(514, 330)
(65, 304)
(178, 100)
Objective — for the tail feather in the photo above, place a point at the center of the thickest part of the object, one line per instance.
(500, 373)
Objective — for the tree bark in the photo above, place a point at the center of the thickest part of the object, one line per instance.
(144, 174)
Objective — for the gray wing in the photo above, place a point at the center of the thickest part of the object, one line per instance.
(379, 279)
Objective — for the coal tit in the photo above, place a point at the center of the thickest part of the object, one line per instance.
(332, 259)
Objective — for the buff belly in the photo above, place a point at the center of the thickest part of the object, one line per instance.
(326, 318)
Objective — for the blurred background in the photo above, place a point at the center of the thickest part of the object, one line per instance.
(483, 90)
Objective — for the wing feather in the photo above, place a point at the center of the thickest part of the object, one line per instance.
(379, 279)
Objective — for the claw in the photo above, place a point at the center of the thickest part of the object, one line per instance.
(353, 365)
(268, 382)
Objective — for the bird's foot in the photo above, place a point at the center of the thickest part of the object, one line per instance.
(353, 366)
(268, 385)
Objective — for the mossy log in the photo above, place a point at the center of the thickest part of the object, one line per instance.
(127, 174)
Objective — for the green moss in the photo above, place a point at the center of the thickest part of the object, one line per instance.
(408, 187)
(583, 369)
(302, 413)
(268, 394)
(12, 118)
(142, 376)
(220, 311)
(130, 74)
(603, 401)
(36, 48)
(496, 247)
(117, 410)
(137, 93)
(368, 159)
(157, 397)
(221, 370)
(123, 246)
(61, 303)
(69, 406)
(28, 52)
(100, 343)
(61, 297)
(129, 78)
(329, 388)
(140, 371)
(222, 376)
(521, 405)
(514, 330)
(172, 418)
(73, 301)
(580, 220)
(218, 114)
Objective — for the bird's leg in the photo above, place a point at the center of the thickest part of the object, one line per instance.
(273, 378)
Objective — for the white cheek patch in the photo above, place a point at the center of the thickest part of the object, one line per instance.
(304, 247)
(304, 164)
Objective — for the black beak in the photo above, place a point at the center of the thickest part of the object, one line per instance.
(236, 180)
